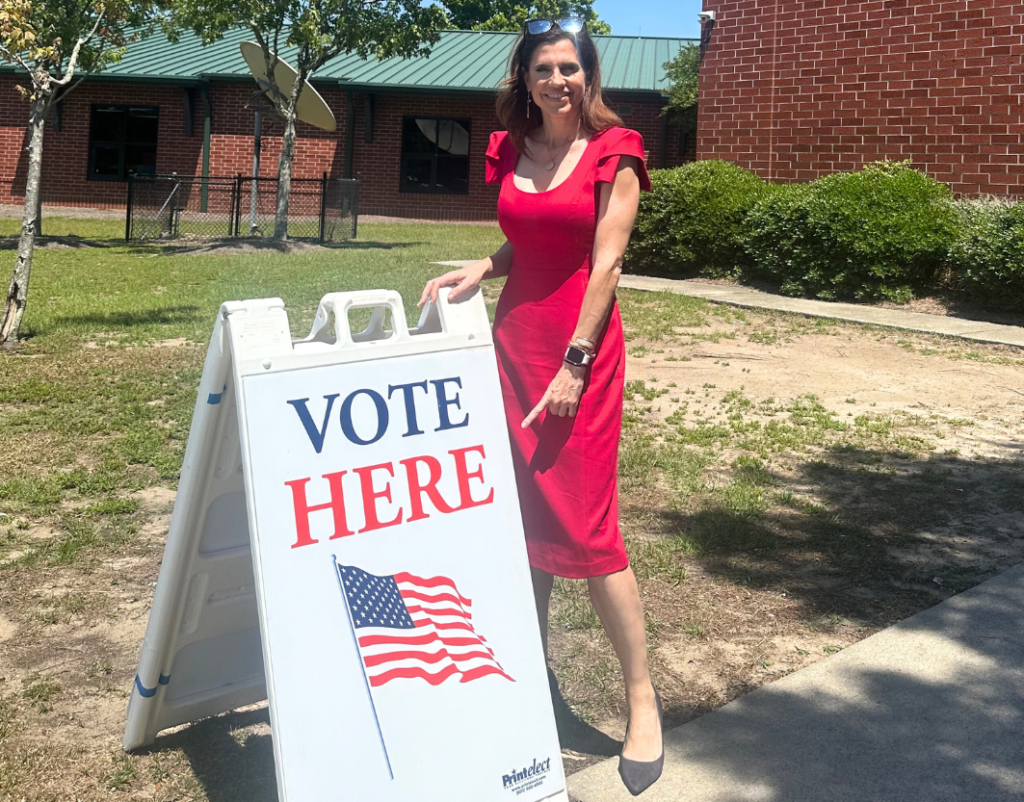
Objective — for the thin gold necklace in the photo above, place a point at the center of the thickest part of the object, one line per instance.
(550, 163)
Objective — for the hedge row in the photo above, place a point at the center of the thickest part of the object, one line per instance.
(885, 232)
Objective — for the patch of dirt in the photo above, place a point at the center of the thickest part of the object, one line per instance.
(873, 527)
(79, 630)
(61, 243)
(14, 212)
(956, 305)
(379, 218)
(232, 246)
(157, 500)
(7, 629)
(858, 373)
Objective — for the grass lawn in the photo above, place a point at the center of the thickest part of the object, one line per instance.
(787, 488)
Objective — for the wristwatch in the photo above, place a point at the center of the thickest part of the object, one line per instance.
(578, 357)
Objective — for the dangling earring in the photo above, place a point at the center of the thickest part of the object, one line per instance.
(527, 105)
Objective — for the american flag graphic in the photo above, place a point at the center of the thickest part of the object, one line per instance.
(413, 627)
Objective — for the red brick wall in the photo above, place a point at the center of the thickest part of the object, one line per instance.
(795, 89)
(65, 160)
(66, 152)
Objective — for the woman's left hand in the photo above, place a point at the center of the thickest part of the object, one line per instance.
(563, 394)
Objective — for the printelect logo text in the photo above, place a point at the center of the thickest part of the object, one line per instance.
(527, 773)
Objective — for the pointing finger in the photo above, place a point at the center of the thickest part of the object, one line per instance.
(535, 412)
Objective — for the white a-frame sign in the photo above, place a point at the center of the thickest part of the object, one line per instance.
(347, 543)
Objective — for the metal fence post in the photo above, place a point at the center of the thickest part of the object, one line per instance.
(231, 209)
(323, 205)
(355, 211)
(128, 212)
(236, 201)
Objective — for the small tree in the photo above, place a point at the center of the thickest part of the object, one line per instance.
(319, 30)
(683, 73)
(508, 15)
(56, 43)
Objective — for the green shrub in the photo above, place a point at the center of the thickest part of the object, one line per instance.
(776, 233)
(988, 257)
(692, 221)
(882, 232)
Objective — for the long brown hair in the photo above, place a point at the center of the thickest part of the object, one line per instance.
(513, 98)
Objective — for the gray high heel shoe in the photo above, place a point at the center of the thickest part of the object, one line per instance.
(639, 775)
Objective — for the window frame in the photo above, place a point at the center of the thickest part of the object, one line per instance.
(433, 189)
(122, 145)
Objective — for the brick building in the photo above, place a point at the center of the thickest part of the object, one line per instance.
(182, 108)
(795, 89)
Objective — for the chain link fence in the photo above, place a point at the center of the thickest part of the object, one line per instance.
(320, 209)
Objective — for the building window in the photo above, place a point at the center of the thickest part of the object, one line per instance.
(435, 155)
(122, 142)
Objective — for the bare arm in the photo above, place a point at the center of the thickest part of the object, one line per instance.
(466, 279)
(615, 216)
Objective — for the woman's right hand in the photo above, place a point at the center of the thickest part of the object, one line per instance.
(464, 280)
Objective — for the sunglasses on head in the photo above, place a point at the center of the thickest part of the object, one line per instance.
(568, 25)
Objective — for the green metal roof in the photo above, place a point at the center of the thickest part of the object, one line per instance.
(473, 61)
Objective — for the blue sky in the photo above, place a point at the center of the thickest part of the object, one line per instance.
(651, 17)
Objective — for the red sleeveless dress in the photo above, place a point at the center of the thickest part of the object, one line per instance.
(566, 468)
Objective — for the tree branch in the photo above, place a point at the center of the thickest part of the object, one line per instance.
(69, 90)
(259, 36)
(270, 65)
(7, 54)
(69, 72)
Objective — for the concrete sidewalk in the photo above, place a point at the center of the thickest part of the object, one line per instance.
(894, 318)
(929, 710)
(855, 313)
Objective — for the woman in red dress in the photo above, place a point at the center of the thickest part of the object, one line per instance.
(570, 179)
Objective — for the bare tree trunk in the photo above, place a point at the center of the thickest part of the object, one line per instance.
(17, 293)
(284, 163)
(284, 179)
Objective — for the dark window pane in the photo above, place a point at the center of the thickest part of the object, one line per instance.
(418, 135)
(453, 137)
(435, 155)
(123, 141)
(416, 175)
(106, 161)
(108, 124)
(453, 174)
(142, 125)
(140, 159)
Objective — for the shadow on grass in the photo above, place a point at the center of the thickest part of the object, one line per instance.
(359, 245)
(231, 246)
(573, 732)
(886, 540)
(62, 243)
(941, 725)
(241, 769)
(233, 765)
(229, 768)
(142, 317)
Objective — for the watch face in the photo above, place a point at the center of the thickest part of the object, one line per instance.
(577, 356)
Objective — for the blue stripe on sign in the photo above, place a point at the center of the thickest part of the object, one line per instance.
(148, 692)
(214, 398)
